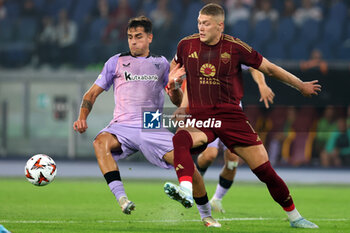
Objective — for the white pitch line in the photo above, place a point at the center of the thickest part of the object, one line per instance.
(161, 221)
(190, 220)
(136, 221)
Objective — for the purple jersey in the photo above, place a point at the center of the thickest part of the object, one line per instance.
(138, 83)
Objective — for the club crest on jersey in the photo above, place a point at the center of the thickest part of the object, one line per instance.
(144, 77)
(208, 70)
(225, 57)
(157, 65)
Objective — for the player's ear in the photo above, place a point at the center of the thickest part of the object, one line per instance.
(221, 26)
(150, 37)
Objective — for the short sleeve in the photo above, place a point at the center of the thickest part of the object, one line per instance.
(178, 55)
(106, 77)
(248, 56)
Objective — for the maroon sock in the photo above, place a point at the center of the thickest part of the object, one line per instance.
(183, 162)
(277, 188)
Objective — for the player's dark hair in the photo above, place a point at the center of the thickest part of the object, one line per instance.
(141, 21)
(212, 9)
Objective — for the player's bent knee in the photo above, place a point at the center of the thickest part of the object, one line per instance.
(100, 143)
(102, 148)
(210, 158)
(97, 143)
(106, 141)
(231, 156)
(210, 154)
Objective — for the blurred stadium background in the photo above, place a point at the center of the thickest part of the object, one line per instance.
(51, 51)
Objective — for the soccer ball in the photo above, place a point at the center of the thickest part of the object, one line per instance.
(40, 170)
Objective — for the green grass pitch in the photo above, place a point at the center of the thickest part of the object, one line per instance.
(87, 205)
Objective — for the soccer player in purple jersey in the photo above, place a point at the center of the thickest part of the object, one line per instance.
(138, 79)
(212, 61)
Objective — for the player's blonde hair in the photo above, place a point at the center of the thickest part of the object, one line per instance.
(214, 10)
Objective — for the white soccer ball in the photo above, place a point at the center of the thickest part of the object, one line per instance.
(40, 170)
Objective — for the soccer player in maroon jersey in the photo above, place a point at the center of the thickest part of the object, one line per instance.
(228, 172)
(212, 61)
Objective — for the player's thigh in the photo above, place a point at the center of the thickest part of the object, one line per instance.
(210, 154)
(230, 156)
(254, 155)
(106, 141)
(169, 157)
(199, 138)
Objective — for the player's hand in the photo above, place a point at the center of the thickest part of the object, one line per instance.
(266, 95)
(175, 79)
(180, 114)
(80, 126)
(310, 88)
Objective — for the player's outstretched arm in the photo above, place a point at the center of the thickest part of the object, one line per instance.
(266, 94)
(88, 101)
(306, 88)
(175, 81)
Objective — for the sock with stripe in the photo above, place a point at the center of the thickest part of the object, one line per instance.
(115, 184)
(203, 206)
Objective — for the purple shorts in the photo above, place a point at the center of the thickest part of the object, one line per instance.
(153, 144)
(217, 143)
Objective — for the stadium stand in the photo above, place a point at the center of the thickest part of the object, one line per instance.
(328, 28)
(240, 29)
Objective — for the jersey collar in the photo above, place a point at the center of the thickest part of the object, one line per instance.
(149, 54)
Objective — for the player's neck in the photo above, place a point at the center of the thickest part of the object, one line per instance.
(145, 54)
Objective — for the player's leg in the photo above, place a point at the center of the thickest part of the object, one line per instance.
(226, 179)
(103, 145)
(257, 159)
(183, 141)
(158, 149)
(199, 194)
(228, 172)
(207, 157)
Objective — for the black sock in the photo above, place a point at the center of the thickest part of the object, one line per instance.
(112, 176)
(201, 170)
(225, 183)
(201, 200)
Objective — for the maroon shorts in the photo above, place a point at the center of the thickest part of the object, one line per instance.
(235, 128)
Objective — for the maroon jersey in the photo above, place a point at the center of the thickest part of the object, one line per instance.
(214, 74)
